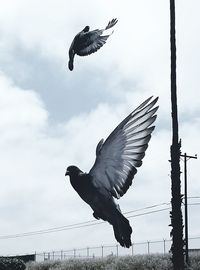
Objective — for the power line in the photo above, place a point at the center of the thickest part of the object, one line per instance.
(89, 222)
(148, 207)
(151, 212)
(83, 224)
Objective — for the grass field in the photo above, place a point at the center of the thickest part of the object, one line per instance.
(138, 262)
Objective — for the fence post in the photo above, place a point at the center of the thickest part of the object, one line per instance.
(132, 252)
(61, 255)
(74, 253)
(88, 254)
(102, 251)
(164, 246)
(117, 247)
(148, 246)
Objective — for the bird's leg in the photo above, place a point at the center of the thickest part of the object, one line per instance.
(95, 215)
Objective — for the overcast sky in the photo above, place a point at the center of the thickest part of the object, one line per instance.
(52, 118)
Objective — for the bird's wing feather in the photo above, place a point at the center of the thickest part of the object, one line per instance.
(91, 42)
(122, 152)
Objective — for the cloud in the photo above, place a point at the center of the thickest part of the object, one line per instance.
(24, 112)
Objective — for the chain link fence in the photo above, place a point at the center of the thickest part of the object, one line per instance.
(147, 247)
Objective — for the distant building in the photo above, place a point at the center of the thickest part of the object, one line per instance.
(24, 258)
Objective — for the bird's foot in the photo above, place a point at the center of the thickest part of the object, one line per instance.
(95, 215)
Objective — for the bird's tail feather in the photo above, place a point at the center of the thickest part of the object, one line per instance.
(111, 23)
(122, 230)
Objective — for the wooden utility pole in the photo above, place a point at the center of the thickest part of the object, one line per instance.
(186, 158)
(176, 201)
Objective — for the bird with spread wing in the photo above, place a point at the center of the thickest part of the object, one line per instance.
(115, 166)
(87, 42)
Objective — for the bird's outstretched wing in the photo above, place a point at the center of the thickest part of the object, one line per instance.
(91, 42)
(124, 149)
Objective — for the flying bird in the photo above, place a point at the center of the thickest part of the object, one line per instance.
(115, 166)
(87, 42)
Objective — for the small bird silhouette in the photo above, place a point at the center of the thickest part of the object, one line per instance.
(87, 42)
(115, 167)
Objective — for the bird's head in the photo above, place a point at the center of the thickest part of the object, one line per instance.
(72, 171)
(86, 29)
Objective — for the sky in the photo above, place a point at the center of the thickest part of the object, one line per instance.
(52, 118)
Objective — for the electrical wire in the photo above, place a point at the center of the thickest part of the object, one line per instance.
(83, 224)
(92, 222)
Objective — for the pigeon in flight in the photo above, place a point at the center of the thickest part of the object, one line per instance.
(115, 166)
(87, 42)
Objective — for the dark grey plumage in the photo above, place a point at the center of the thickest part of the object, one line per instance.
(87, 42)
(115, 166)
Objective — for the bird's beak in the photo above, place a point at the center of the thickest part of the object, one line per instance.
(67, 173)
